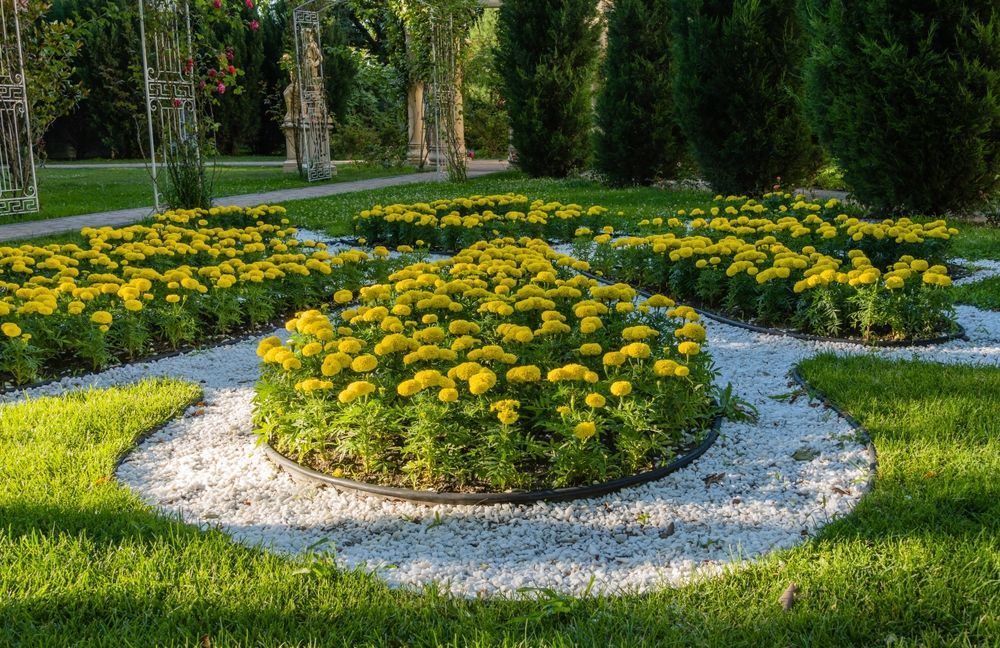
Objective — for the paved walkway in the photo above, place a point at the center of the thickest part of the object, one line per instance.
(144, 165)
(32, 229)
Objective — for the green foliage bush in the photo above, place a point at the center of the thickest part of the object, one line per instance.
(546, 58)
(906, 96)
(737, 65)
(638, 139)
(485, 112)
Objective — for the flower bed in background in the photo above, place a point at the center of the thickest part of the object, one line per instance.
(790, 263)
(134, 290)
(499, 368)
(451, 224)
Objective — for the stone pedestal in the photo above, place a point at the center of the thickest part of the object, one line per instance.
(291, 164)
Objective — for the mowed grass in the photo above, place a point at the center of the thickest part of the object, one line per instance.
(983, 294)
(72, 191)
(975, 241)
(334, 214)
(84, 562)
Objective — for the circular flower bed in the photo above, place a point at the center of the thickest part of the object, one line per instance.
(498, 369)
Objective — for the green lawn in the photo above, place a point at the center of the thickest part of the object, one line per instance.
(84, 562)
(976, 241)
(68, 191)
(333, 214)
(983, 294)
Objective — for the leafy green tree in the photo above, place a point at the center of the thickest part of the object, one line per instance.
(546, 58)
(638, 139)
(50, 52)
(906, 96)
(737, 91)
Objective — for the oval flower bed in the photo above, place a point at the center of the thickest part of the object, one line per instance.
(498, 369)
(786, 266)
(136, 290)
(451, 224)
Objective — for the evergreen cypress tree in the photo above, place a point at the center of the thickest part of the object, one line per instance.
(546, 59)
(737, 67)
(906, 96)
(638, 139)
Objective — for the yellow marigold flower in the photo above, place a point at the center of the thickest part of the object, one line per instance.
(614, 358)
(681, 371)
(172, 298)
(482, 382)
(664, 367)
(659, 301)
(448, 395)
(585, 430)
(133, 305)
(101, 317)
(692, 331)
(621, 388)
(267, 344)
(364, 364)
(343, 296)
(525, 374)
(350, 345)
(507, 417)
(624, 307)
(590, 349)
(408, 388)
(894, 282)
(640, 332)
(689, 348)
(291, 364)
(563, 410)
(355, 390)
(638, 350)
(590, 324)
(595, 400)
(10, 329)
(311, 349)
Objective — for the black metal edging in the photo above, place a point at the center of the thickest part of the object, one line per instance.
(959, 334)
(524, 497)
(863, 434)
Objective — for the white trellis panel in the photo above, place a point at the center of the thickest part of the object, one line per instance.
(313, 121)
(168, 78)
(18, 187)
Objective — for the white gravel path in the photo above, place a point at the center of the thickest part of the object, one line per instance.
(745, 497)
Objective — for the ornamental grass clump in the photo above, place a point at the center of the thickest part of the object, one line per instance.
(130, 291)
(790, 263)
(499, 368)
(451, 224)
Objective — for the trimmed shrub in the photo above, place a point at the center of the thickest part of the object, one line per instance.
(906, 96)
(546, 59)
(736, 91)
(638, 140)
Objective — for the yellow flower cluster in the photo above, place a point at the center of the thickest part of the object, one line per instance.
(214, 269)
(451, 223)
(481, 327)
(794, 263)
(785, 216)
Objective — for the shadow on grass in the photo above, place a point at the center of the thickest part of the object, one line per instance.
(917, 563)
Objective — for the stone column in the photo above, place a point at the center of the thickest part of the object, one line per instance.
(417, 147)
(459, 111)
